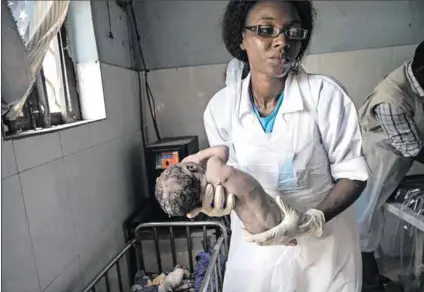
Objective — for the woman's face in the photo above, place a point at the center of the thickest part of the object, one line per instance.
(272, 56)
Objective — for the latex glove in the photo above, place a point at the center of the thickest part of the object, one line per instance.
(293, 225)
(219, 198)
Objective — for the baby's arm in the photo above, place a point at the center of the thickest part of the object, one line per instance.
(255, 208)
(217, 171)
(220, 151)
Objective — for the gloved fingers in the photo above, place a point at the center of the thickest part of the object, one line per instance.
(283, 206)
(231, 202)
(273, 236)
(278, 241)
(208, 198)
(194, 213)
(270, 242)
(317, 232)
(309, 221)
(315, 222)
(219, 198)
(248, 237)
(246, 232)
(260, 238)
(264, 242)
(290, 214)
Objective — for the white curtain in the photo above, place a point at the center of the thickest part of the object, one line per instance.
(36, 23)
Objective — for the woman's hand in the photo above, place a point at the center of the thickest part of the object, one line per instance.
(215, 203)
(293, 225)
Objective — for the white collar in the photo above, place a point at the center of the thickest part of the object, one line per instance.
(292, 97)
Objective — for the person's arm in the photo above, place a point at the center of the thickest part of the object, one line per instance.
(341, 137)
(220, 151)
(217, 172)
(344, 193)
(400, 127)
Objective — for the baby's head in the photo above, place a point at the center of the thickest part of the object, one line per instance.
(179, 187)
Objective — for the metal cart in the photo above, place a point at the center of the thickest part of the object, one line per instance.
(163, 237)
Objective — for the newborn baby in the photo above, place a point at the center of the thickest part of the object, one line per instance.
(181, 187)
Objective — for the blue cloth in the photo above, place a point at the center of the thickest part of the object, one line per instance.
(154, 288)
(267, 122)
(140, 283)
(202, 262)
(139, 288)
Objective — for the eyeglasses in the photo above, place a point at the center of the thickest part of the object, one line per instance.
(297, 34)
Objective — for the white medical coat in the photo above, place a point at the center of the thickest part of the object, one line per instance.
(317, 126)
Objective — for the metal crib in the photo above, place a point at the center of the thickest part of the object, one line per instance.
(156, 233)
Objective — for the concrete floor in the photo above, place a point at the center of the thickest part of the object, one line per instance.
(393, 288)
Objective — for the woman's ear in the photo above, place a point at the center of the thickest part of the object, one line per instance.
(191, 166)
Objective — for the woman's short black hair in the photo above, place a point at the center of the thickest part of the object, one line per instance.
(235, 17)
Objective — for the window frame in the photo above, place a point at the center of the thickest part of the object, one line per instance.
(36, 115)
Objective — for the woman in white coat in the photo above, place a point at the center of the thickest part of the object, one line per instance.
(298, 134)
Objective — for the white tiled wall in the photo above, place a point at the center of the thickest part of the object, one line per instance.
(65, 195)
(182, 94)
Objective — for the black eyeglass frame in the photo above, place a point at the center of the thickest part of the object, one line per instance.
(277, 31)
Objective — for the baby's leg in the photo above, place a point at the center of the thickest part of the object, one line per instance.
(271, 211)
(258, 211)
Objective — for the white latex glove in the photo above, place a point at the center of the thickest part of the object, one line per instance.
(219, 198)
(293, 225)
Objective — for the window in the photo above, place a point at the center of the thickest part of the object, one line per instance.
(54, 98)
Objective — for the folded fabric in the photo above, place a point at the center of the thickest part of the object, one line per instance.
(158, 280)
(176, 281)
(180, 279)
(202, 263)
(139, 288)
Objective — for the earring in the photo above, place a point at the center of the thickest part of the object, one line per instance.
(295, 67)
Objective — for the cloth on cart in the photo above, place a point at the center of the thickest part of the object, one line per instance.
(202, 263)
(178, 280)
(139, 288)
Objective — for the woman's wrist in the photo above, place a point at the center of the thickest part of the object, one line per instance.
(342, 196)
